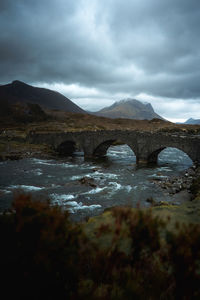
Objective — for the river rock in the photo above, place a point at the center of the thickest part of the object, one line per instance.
(96, 170)
(88, 181)
(176, 184)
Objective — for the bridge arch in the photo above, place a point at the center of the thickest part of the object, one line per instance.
(102, 148)
(66, 148)
(145, 145)
(153, 156)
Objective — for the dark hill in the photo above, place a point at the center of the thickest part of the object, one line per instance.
(129, 109)
(21, 113)
(20, 92)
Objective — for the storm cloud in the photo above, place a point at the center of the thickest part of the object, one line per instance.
(99, 51)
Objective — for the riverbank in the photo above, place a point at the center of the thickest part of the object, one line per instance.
(175, 184)
(179, 188)
(18, 149)
(185, 204)
(184, 207)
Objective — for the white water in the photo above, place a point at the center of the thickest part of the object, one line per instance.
(118, 180)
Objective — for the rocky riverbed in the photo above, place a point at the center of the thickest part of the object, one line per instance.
(178, 187)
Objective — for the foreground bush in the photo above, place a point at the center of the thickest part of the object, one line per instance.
(40, 251)
(45, 256)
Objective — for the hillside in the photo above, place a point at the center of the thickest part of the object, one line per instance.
(21, 112)
(129, 109)
(192, 121)
(20, 92)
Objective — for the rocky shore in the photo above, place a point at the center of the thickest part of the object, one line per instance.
(180, 189)
(176, 184)
(14, 150)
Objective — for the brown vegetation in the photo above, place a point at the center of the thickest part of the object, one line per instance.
(78, 122)
(21, 113)
(132, 256)
(16, 126)
(63, 121)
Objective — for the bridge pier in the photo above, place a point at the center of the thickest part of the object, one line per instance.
(142, 162)
(153, 157)
(142, 155)
(88, 152)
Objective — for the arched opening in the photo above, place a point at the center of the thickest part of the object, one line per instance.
(122, 154)
(170, 155)
(67, 148)
(176, 156)
(116, 150)
(101, 150)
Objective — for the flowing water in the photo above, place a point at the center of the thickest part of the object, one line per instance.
(113, 180)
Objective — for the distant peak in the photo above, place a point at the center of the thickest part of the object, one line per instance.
(147, 104)
(18, 82)
(131, 100)
(126, 100)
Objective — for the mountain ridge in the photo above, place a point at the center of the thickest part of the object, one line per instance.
(192, 121)
(129, 109)
(18, 91)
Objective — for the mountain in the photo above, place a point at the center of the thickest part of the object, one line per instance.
(20, 92)
(192, 121)
(129, 109)
(21, 113)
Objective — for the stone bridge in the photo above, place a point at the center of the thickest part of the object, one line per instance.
(145, 145)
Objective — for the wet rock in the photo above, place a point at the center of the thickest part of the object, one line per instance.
(96, 170)
(191, 172)
(184, 186)
(2, 192)
(160, 203)
(88, 181)
(176, 184)
(175, 190)
(156, 179)
(159, 174)
(163, 203)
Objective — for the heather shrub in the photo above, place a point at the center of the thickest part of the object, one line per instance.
(184, 260)
(40, 251)
(44, 255)
(135, 269)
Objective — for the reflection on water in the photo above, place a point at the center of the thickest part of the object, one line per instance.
(116, 180)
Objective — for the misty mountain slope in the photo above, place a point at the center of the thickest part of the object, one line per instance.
(20, 92)
(129, 109)
(192, 121)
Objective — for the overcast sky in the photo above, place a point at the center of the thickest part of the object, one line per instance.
(98, 51)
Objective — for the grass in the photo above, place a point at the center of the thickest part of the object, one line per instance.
(13, 149)
(59, 121)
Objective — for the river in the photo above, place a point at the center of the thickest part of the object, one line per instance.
(113, 180)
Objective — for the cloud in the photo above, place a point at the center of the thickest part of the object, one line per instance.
(95, 51)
